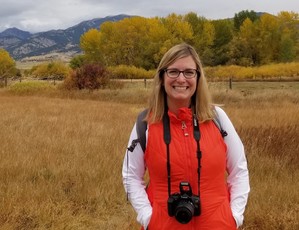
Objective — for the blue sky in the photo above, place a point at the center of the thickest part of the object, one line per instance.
(43, 15)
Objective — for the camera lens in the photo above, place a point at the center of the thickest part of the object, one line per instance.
(184, 212)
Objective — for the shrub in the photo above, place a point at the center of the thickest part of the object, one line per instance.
(89, 76)
(52, 70)
(270, 71)
(77, 61)
(130, 72)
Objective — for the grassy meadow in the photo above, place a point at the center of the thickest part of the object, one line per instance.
(61, 154)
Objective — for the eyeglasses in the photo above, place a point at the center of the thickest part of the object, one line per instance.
(188, 73)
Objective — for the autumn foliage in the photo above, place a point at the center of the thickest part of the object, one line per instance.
(130, 72)
(250, 39)
(89, 76)
(7, 65)
(55, 70)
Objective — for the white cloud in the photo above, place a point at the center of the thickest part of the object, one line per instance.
(41, 15)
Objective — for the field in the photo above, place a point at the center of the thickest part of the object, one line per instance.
(62, 152)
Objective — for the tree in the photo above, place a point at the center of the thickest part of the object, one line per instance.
(140, 41)
(223, 36)
(7, 65)
(269, 38)
(175, 30)
(248, 39)
(289, 21)
(289, 43)
(203, 36)
(178, 28)
(90, 44)
(125, 41)
(240, 17)
(243, 49)
(287, 48)
(158, 42)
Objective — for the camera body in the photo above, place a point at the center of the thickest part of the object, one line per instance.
(184, 205)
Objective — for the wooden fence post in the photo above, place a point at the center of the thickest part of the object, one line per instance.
(230, 83)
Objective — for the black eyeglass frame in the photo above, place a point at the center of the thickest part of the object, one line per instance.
(197, 73)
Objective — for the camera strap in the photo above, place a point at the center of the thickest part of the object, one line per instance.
(196, 134)
(167, 139)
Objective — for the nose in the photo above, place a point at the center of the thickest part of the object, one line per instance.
(181, 77)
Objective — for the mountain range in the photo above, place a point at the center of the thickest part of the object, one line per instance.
(23, 44)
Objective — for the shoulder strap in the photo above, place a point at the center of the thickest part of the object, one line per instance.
(217, 122)
(141, 126)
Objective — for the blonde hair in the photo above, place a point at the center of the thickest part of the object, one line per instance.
(201, 99)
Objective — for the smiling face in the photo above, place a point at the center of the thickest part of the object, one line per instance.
(180, 90)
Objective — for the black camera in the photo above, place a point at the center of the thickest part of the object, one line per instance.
(184, 205)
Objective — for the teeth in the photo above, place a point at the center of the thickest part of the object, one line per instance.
(180, 87)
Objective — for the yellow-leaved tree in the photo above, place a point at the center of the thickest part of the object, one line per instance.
(7, 65)
(132, 41)
(136, 41)
(269, 37)
(203, 35)
(289, 45)
(90, 44)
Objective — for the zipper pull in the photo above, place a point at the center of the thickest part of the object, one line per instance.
(184, 128)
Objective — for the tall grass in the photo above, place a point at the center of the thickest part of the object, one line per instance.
(269, 130)
(60, 163)
(61, 156)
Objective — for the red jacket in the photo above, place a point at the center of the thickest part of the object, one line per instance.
(216, 213)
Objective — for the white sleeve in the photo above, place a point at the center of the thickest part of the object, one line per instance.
(238, 178)
(133, 172)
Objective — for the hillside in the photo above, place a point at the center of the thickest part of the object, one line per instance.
(24, 45)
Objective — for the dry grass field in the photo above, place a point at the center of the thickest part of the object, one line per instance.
(62, 152)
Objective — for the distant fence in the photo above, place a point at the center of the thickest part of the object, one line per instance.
(230, 83)
(4, 82)
(147, 83)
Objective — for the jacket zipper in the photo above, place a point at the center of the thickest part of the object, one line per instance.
(184, 128)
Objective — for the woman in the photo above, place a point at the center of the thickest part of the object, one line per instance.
(198, 179)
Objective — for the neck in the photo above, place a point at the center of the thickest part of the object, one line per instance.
(175, 106)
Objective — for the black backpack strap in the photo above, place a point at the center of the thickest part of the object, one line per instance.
(141, 127)
(217, 122)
